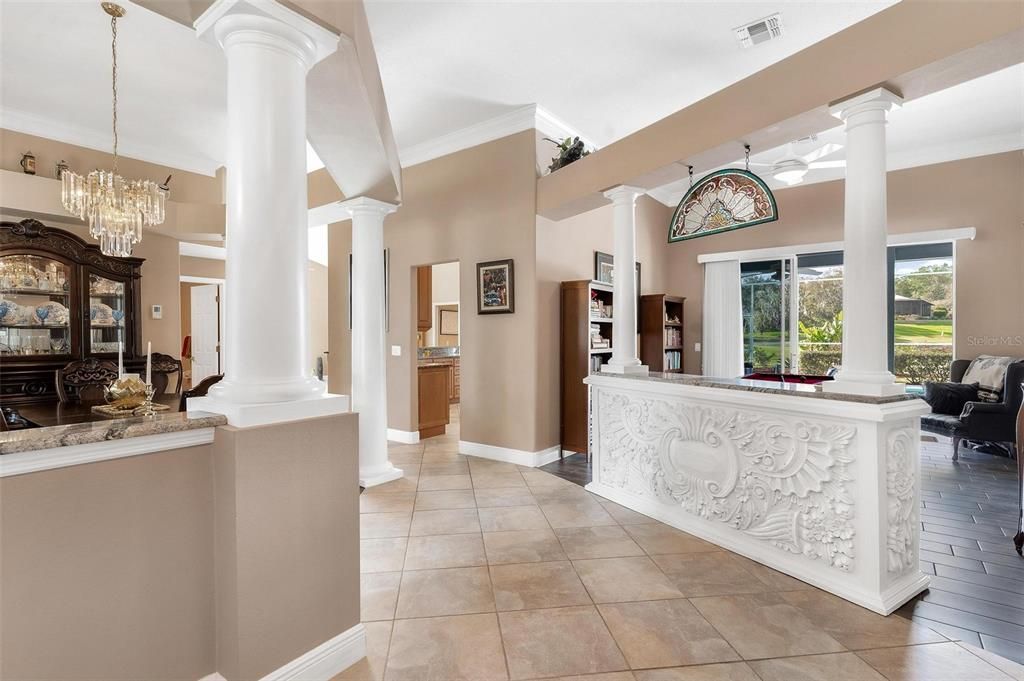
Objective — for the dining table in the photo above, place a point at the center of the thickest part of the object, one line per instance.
(56, 413)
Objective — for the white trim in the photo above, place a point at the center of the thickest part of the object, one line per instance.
(20, 463)
(516, 456)
(69, 133)
(327, 660)
(930, 237)
(191, 250)
(409, 437)
(213, 677)
(265, 413)
(325, 41)
(189, 279)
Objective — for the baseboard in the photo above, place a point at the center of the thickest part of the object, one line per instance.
(327, 660)
(408, 437)
(516, 456)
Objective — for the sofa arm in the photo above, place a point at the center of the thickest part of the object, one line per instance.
(993, 421)
(957, 370)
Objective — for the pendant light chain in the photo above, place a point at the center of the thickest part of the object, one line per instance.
(113, 71)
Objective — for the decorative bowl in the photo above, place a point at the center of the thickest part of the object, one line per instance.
(52, 314)
(8, 308)
(125, 389)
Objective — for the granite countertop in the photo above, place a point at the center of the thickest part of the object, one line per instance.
(31, 439)
(437, 352)
(795, 389)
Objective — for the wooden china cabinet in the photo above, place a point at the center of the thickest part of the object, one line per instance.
(61, 299)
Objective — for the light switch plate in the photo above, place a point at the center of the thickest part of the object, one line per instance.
(696, 347)
(396, 350)
(158, 312)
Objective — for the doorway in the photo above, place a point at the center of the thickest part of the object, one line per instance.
(438, 348)
(202, 305)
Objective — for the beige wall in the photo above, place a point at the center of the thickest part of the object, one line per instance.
(185, 186)
(235, 557)
(202, 267)
(106, 570)
(318, 311)
(474, 205)
(565, 252)
(985, 193)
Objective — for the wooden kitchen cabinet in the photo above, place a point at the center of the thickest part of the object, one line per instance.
(454, 378)
(433, 391)
(424, 298)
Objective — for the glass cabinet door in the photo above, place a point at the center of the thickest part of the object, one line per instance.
(35, 294)
(106, 314)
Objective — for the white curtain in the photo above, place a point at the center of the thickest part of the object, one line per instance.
(723, 320)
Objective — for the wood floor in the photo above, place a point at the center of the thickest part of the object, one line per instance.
(969, 516)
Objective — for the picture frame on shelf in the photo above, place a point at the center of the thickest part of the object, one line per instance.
(495, 287)
(604, 272)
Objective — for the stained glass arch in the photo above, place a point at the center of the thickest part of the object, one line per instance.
(721, 202)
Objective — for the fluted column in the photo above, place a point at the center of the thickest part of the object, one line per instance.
(269, 50)
(865, 366)
(624, 359)
(369, 375)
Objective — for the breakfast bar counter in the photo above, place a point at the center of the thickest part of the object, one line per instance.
(822, 486)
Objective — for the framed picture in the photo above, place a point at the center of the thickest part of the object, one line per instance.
(604, 271)
(448, 322)
(495, 287)
(387, 290)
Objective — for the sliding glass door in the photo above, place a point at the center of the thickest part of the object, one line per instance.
(798, 327)
(921, 312)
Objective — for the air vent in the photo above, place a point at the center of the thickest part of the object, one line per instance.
(761, 31)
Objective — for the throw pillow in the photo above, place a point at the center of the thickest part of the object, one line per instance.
(989, 373)
(949, 398)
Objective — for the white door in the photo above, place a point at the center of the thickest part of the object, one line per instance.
(205, 332)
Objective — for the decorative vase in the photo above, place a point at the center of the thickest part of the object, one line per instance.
(28, 163)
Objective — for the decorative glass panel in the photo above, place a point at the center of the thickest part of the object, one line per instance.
(106, 314)
(34, 315)
(722, 201)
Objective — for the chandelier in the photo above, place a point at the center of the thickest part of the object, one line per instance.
(116, 208)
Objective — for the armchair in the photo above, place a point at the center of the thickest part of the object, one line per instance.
(984, 421)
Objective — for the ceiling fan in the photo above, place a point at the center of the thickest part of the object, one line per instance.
(792, 167)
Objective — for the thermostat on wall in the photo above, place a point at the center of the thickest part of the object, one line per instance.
(158, 312)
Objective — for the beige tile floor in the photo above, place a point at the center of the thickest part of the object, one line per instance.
(477, 570)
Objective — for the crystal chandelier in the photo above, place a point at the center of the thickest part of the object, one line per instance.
(116, 208)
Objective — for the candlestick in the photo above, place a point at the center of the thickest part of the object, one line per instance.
(149, 363)
(120, 359)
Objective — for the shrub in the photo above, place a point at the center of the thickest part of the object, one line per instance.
(939, 313)
(819, 360)
(919, 363)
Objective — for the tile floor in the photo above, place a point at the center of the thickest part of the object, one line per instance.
(478, 570)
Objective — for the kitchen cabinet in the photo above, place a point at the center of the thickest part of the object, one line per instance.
(433, 390)
(424, 298)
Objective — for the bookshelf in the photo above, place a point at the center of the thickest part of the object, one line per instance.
(586, 345)
(661, 332)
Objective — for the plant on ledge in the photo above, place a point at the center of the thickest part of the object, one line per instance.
(570, 150)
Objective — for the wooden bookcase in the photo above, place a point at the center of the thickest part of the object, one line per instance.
(582, 305)
(661, 332)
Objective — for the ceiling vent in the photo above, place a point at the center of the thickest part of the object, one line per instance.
(760, 31)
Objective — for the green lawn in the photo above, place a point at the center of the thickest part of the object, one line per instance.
(924, 331)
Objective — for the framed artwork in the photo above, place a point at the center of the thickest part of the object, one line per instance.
(721, 202)
(604, 271)
(495, 287)
(387, 290)
(448, 322)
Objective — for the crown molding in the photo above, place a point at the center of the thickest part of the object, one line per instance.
(530, 117)
(61, 131)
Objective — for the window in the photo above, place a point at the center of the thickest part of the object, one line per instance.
(920, 315)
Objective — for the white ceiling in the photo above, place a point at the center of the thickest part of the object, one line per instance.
(605, 68)
(55, 82)
(979, 117)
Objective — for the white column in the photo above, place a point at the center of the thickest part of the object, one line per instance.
(269, 50)
(865, 307)
(624, 358)
(369, 374)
